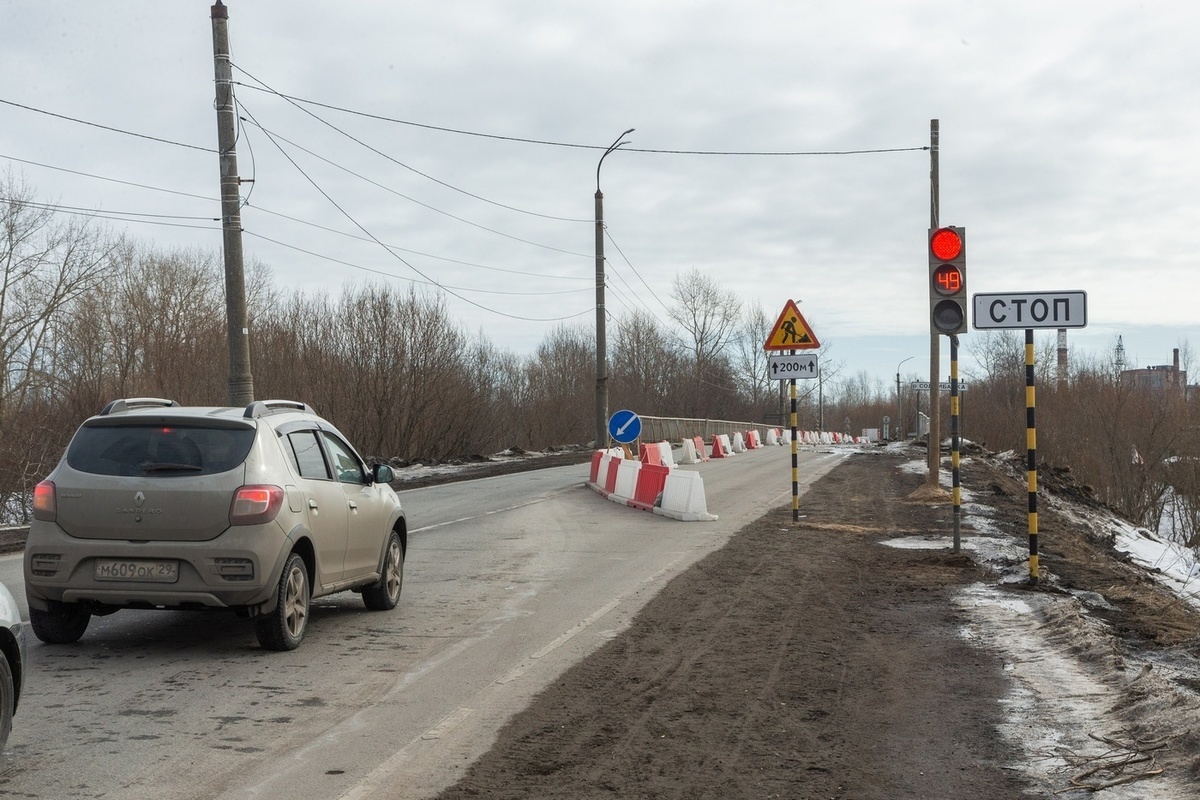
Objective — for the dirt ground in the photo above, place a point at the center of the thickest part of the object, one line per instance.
(808, 661)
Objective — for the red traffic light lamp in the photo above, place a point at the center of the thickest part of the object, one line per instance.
(948, 280)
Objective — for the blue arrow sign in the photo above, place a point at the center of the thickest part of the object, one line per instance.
(624, 426)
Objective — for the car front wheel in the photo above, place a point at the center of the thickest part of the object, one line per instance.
(283, 628)
(61, 623)
(385, 594)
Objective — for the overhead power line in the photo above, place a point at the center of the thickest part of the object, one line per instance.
(276, 138)
(412, 169)
(107, 127)
(375, 239)
(549, 143)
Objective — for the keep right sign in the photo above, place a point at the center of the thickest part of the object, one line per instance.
(1016, 310)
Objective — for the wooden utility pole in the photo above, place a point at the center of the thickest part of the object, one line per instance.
(241, 385)
(934, 450)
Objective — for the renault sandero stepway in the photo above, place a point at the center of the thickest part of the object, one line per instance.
(257, 510)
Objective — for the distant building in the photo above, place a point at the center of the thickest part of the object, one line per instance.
(1163, 378)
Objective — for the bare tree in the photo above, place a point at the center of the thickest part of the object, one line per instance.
(45, 266)
(706, 317)
(705, 320)
(646, 368)
(752, 359)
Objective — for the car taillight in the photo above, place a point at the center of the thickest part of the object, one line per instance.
(254, 505)
(45, 502)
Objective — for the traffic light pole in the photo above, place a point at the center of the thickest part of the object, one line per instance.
(934, 448)
(954, 444)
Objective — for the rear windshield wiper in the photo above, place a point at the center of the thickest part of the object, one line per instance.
(171, 468)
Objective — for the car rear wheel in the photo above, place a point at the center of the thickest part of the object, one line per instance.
(384, 595)
(61, 623)
(8, 699)
(283, 628)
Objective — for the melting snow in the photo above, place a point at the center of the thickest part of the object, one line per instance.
(1072, 692)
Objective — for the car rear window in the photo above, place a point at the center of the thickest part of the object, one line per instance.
(161, 450)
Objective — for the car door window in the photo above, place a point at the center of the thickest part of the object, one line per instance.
(347, 466)
(304, 451)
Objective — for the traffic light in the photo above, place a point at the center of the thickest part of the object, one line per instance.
(948, 280)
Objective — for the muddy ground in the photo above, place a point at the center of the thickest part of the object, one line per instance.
(808, 661)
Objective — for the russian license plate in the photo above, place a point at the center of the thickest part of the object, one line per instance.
(112, 569)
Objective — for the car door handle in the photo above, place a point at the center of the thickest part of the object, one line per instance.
(353, 505)
(312, 504)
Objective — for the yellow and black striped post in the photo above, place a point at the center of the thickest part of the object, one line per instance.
(954, 445)
(1031, 457)
(795, 455)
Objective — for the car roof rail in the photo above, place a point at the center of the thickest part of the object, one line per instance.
(260, 407)
(130, 403)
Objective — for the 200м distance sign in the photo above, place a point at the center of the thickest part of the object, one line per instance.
(1016, 310)
(787, 367)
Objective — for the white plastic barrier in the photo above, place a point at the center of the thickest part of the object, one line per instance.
(689, 453)
(725, 445)
(668, 457)
(683, 497)
(738, 444)
(627, 474)
(772, 438)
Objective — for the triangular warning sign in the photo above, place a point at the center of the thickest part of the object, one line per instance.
(791, 331)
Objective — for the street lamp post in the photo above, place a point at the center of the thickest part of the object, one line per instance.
(601, 344)
(900, 403)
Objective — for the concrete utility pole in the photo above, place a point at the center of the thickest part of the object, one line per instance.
(934, 450)
(601, 341)
(241, 385)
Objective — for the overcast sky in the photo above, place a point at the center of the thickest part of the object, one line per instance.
(1068, 132)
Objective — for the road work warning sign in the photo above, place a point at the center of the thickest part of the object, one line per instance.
(791, 331)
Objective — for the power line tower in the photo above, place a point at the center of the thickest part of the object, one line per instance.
(1119, 356)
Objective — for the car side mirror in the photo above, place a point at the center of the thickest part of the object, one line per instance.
(382, 473)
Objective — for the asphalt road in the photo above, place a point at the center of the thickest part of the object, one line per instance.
(509, 581)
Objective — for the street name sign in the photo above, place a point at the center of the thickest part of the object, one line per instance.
(786, 367)
(945, 385)
(1016, 310)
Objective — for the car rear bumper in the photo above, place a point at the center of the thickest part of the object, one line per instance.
(238, 568)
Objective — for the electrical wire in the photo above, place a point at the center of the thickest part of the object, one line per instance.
(115, 216)
(625, 258)
(247, 204)
(111, 180)
(406, 166)
(107, 127)
(275, 136)
(538, 275)
(521, 140)
(386, 274)
(357, 224)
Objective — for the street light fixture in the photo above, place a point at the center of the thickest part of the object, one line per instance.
(900, 426)
(601, 343)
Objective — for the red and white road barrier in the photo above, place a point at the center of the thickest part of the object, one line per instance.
(657, 453)
(660, 488)
(650, 482)
(690, 456)
(683, 497)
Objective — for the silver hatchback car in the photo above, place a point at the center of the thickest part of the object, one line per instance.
(256, 509)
